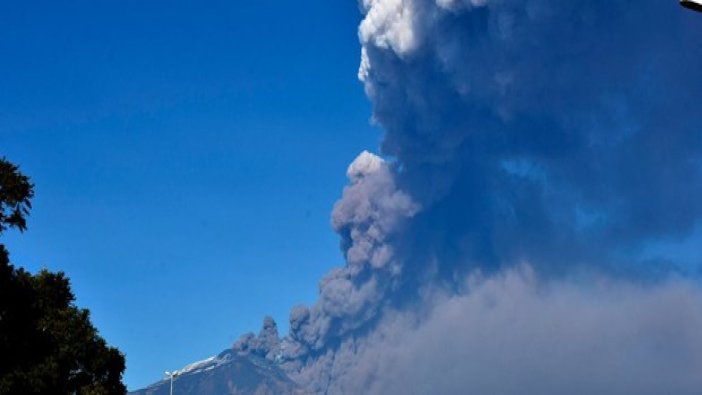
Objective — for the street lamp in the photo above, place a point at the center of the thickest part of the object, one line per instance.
(695, 5)
(171, 375)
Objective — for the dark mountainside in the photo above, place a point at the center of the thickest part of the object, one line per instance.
(244, 369)
(228, 374)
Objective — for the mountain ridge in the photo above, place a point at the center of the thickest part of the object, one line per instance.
(228, 373)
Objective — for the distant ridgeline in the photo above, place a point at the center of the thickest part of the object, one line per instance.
(240, 370)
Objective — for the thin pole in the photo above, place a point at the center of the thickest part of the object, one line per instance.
(171, 374)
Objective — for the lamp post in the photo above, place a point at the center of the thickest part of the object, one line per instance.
(171, 375)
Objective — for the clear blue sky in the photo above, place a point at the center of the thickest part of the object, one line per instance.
(186, 156)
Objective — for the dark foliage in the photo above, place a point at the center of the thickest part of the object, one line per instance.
(15, 194)
(47, 344)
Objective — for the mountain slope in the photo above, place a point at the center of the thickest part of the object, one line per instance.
(229, 373)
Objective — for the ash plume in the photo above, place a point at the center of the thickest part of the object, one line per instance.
(545, 162)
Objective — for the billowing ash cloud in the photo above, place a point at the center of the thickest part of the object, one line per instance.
(560, 138)
(511, 334)
(366, 217)
(539, 130)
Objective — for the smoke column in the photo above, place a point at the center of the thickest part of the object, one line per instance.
(536, 229)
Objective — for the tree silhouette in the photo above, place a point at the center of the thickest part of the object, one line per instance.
(47, 344)
(16, 193)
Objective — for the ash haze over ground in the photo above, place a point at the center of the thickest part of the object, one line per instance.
(535, 230)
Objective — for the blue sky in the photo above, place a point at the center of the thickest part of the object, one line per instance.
(186, 157)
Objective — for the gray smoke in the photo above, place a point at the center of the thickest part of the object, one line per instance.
(559, 138)
(539, 130)
(511, 334)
